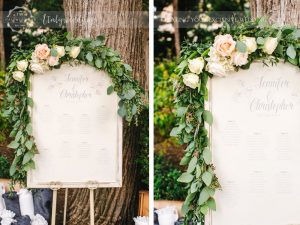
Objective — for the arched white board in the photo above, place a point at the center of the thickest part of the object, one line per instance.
(255, 140)
(76, 128)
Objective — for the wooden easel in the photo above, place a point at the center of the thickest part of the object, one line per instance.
(55, 187)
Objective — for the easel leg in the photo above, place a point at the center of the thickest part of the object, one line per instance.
(65, 206)
(92, 213)
(54, 207)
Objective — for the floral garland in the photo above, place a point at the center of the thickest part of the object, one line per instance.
(236, 47)
(56, 49)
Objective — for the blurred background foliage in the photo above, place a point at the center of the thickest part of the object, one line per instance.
(211, 13)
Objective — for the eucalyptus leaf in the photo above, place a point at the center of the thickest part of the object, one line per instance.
(207, 156)
(260, 40)
(291, 52)
(207, 178)
(185, 178)
(29, 144)
(241, 46)
(110, 89)
(207, 116)
(89, 56)
(192, 164)
(122, 111)
(98, 63)
(203, 197)
(27, 157)
(29, 129)
(130, 94)
(211, 203)
(181, 111)
(13, 145)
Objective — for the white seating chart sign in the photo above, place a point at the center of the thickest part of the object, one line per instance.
(76, 128)
(255, 140)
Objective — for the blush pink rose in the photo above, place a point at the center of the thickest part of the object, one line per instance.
(53, 61)
(224, 44)
(239, 58)
(41, 51)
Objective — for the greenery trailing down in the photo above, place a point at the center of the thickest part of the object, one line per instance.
(200, 62)
(92, 52)
(165, 185)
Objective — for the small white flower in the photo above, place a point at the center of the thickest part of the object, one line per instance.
(27, 31)
(18, 76)
(60, 50)
(270, 45)
(22, 65)
(196, 65)
(239, 58)
(191, 80)
(14, 38)
(75, 50)
(250, 42)
(7, 217)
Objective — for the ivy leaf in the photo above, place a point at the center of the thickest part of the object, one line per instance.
(98, 63)
(13, 145)
(89, 56)
(207, 156)
(204, 196)
(211, 203)
(207, 178)
(130, 94)
(241, 46)
(185, 178)
(29, 129)
(27, 157)
(291, 52)
(207, 116)
(192, 164)
(110, 89)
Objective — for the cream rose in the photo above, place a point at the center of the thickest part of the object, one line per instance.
(74, 52)
(18, 76)
(216, 69)
(250, 42)
(42, 51)
(239, 58)
(53, 61)
(224, 45)
(60, 51)
(270, 45)
(191, 80)
(22, 65)
(196, 65)
(37, 68)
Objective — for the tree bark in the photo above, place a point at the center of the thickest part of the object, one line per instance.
(278, 11)
(2, 49)
(127, 35)
(176, 28)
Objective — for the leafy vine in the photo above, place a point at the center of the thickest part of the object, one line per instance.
(55, 49)
(235, 48)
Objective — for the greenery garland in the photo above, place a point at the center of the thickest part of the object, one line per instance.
(58, 48)
(235, 48)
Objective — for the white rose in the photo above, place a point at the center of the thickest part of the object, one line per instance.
(191, 80)
(239, 58)
(196, 65)
(22, 65)
(18, 76)
(75, 50)
(216, 69)
(270, 45)
(37, 68)
(250, 42)
(60, 51)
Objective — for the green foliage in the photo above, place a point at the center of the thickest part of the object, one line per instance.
(165, 176)
(143, 155)
(192, 117)
(17, 101)
(164, 115)
(4, 167)
(3, 121)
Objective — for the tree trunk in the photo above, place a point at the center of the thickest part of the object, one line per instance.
(176, 28)
(278, 11)
(125, 34)
(2, 50)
